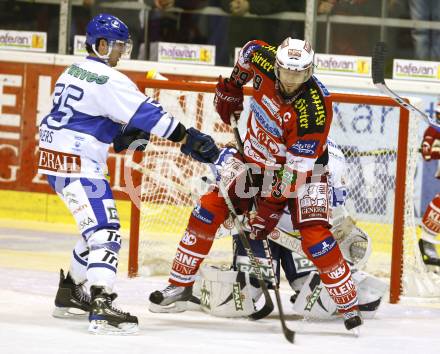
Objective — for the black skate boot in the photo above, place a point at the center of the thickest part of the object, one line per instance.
(106, 319)
(171, 299)
(72, 300)
(352, 320)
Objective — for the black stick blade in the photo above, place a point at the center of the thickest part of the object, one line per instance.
(378, 63)
(289, 335)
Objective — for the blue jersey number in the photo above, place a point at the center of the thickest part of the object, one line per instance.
(63, 97)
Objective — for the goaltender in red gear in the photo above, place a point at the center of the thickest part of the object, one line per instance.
(287, 128)
(431, 151)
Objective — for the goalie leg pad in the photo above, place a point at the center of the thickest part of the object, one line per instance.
(198, 237)
(225, 293)
(314, 302)
(104, 248)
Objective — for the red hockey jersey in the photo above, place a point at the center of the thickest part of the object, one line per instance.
(280, 130)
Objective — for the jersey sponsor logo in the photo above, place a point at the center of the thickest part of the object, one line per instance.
(89, 76)
(343, 290)
(256, 144)
(85, 223)
(304, 147)
(265, 121)
(261, 61)
(313, 202)
(186, 259)
(322, 247)
(58, 161)
(112, 213)
(248, 151)
(303, 116)
(270, 105)
(310, 110)
(319, 107)
(248, 49)
(189, 239)
(338, 272)
(203, 215)
(46, 135)
(80, 208)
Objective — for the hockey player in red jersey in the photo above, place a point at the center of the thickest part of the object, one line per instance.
(287, 128)
(431, 217)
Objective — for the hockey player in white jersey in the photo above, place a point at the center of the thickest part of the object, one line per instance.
(93, 106)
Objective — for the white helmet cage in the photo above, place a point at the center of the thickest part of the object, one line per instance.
(294, 63)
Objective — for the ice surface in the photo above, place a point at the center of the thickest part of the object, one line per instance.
(26, 325)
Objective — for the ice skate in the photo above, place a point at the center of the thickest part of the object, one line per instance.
(352, 321)
(172, 299)
(106, 319)
(71, 300)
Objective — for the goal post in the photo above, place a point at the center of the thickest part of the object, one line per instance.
(380, 143)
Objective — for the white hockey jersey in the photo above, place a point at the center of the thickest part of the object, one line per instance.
(91, 103)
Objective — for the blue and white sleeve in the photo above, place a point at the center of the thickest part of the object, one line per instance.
(123, 102)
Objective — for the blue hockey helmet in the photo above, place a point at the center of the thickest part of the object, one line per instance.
(110, 28)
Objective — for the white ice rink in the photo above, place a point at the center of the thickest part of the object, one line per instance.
(26, 325)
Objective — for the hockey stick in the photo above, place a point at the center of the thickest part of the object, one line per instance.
(288, 333)
(378, 73)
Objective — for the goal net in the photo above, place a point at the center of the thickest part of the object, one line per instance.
(380, 144)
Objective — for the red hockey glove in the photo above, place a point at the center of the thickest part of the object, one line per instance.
(228, 99)
(265, 219)
(431, 144)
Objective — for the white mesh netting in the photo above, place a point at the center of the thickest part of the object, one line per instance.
(367, 134)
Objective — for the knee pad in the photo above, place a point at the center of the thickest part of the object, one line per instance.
(104, 247)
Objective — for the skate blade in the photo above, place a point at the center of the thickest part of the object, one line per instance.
(178, 306)
(69, 312)
(356, 332)
(102, 327)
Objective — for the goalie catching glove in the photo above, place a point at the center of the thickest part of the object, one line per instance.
(199, 146)
(228, 99)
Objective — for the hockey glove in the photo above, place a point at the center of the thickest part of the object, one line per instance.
(199, 146)
(228, 99)
(123, 140)
(431, 144)
(265, 219)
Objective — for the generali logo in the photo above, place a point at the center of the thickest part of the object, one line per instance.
(416, 70)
